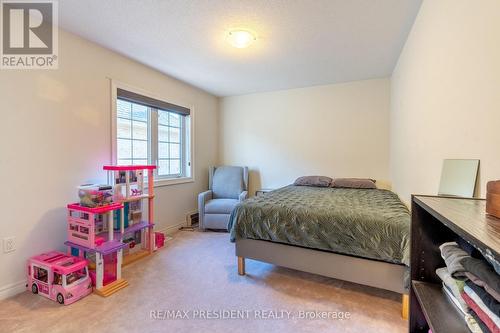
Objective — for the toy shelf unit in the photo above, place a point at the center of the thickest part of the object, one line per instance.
(91, 235)
(132, 226)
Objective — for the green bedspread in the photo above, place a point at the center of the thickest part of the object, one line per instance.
(372, 224)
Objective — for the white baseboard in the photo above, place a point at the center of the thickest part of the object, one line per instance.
(173, 228)
(12, 289)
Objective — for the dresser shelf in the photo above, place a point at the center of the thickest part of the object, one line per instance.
(436, 220)
(439, 312)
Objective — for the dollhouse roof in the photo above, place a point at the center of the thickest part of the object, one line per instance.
(96, 210)
(104, 249)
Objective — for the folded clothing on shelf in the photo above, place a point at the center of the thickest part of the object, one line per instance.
(484, 285)
(475, 324)
(492, 304)
(473, 285)
(483, 271)
(484, 314)
(453, 255)
(454, 286)
(455, 300)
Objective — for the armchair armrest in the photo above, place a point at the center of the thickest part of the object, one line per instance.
(243, 195)
(203, 197)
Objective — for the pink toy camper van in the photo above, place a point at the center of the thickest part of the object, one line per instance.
(58, 276)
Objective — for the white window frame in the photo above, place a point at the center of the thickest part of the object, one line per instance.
(189, 166)
(185, 123)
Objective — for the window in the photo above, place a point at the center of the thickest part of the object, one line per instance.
(40, 274)
(76, 276)
(150, 131)
(133, 131)
(170, 128)
(57, 279)
(79, 215)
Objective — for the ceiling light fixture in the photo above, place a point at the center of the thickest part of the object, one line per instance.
(241, 38)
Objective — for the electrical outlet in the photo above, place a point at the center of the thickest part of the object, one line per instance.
(9, 244)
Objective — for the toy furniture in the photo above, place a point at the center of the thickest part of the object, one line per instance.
(228, 185)
(113, 233)
(159, 240)
(59, 277)
(132, 226)
(91, 235)
(95, 195)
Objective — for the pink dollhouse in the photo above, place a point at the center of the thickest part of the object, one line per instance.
(59, 277)
(134, 226)
(113, 234)
(91, 235)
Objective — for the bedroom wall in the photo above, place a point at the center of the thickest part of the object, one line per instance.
(445, 95)
(339, 130)
(55, 134)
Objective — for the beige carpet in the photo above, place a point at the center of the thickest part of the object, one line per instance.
(197, 271)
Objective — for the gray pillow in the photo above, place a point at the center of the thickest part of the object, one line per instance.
(318, 181)
(354, 183)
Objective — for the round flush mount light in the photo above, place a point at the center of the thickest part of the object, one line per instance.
(241, 38)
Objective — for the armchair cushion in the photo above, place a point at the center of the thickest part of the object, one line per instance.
(227, 182)
(220, 206)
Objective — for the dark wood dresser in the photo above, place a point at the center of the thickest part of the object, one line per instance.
(436, 220)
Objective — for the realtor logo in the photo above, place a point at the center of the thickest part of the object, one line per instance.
(29, 34)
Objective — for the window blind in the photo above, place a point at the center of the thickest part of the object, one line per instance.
(151, 102)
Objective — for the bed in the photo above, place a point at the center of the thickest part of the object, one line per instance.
(357, 235)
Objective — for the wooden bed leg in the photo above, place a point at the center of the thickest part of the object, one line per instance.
(406, 306)
(241, 265)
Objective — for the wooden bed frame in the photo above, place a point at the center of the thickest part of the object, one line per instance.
(343, 267)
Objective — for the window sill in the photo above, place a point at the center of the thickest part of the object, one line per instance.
(173, 181)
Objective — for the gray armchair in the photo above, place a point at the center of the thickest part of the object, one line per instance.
(228, 185)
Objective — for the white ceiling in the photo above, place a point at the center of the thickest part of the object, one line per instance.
(300, 42)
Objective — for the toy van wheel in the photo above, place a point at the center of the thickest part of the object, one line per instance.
(60, 299)
(34, 289)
